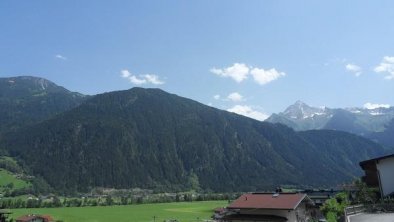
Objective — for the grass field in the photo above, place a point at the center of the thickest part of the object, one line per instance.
(182, 211)
(7, 177)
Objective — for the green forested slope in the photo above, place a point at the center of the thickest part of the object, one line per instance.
(152, 139)
(385, 137)
(26, 100)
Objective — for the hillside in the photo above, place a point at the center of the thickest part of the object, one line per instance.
(27, 100)
(13, 179)
(386, 137)
(152, 139)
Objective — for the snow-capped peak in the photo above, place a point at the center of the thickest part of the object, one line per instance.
(375, 106)
(300, 110)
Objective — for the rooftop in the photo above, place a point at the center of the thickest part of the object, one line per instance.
(365, 163)
(282, 201)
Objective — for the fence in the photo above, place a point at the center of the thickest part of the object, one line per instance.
(354, 209)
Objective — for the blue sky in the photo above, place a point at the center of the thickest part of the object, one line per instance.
(255, 57)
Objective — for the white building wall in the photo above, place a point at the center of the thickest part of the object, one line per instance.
(386, 172)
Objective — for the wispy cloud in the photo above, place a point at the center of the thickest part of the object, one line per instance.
(240, 72)
(375, 105)
(141, 79)
(386, 67)
(216, 97)
(58, 56)
(353, 68)
(235, 97)
(248, 111)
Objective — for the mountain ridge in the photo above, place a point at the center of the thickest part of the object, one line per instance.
(26, 100)
(151, 138)
(366, 122)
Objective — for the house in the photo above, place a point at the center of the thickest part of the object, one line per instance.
(379, 172)
(35, 218)
(270, 207)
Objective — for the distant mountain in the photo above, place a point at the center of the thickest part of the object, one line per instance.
(152, 139)
(386, 137)
(26, 100)
(300, 116)
(360, 121)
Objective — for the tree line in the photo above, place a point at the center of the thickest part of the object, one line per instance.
(108, 200)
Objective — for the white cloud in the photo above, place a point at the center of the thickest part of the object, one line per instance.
(141, 79)
(136, 81)
(387, 67)
(125, 73)
(262, 76)
(355, 69)
(375, 106)
(216, 97)
(58, 56)
(238, 72)
(248, 111)
(235, 97)
(154, 79)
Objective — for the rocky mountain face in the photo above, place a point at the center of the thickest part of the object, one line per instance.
(300, 116)
(361, 121)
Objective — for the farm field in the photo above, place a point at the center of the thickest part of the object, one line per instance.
(181, 211)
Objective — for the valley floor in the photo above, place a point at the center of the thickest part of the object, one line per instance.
(181, 211)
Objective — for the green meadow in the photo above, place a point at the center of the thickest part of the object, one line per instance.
(181, 211)
(7, 178)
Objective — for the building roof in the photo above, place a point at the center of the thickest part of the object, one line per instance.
(25, 218)
(365, 163)
(30, 217)
(282, 201)
(47, 218)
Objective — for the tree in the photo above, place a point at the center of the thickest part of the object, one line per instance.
(365, 194)
(124, 200)
(109, 201)
(194, 182)
(10, 185)
(56, 202)
(334, 208)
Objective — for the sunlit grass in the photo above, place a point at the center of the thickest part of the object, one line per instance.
(182, 211)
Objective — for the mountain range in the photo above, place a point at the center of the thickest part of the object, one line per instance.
(149, 138)
(373, 123)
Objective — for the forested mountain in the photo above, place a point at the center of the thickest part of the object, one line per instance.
(386, 137)
(370, 123)
(152, 139)
(26, 100)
